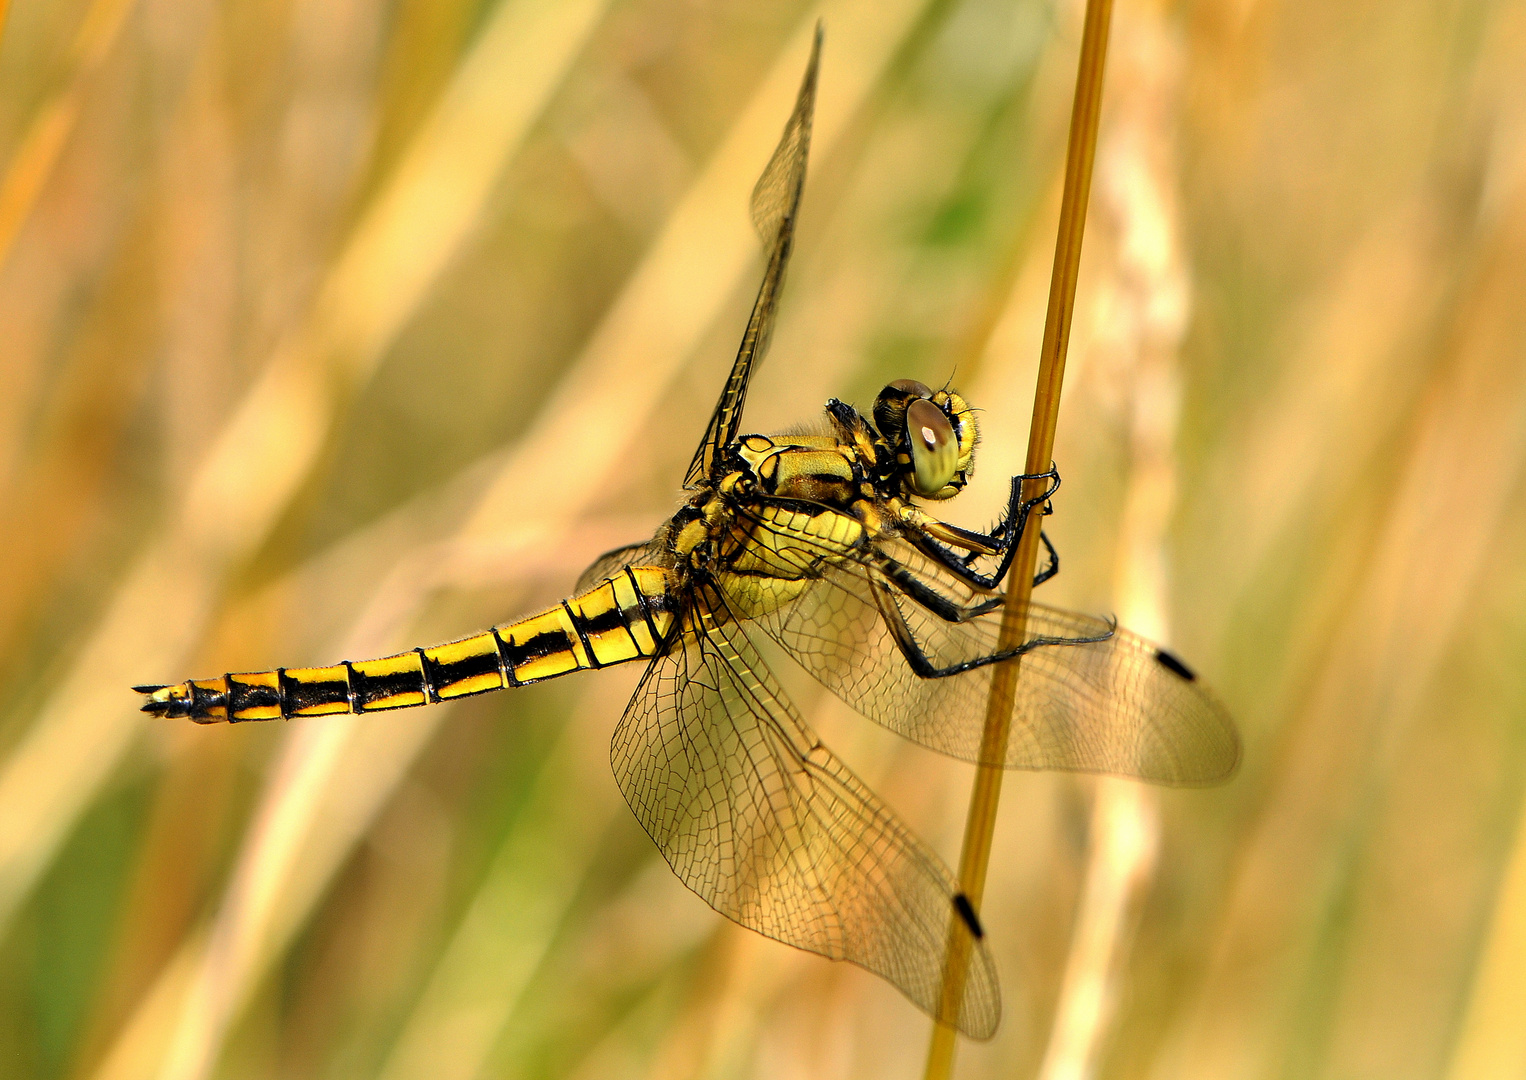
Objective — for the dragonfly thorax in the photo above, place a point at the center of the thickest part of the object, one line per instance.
(812, 468)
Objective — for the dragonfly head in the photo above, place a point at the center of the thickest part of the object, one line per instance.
(932, 434)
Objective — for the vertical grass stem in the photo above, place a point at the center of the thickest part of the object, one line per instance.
(980, 823)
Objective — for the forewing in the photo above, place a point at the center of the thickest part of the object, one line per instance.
(775, 204)
(761, 820)
(1120, 705)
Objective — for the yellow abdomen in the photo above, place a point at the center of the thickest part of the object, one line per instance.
(623, 618)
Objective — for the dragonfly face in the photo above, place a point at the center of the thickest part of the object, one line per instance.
(816, 541)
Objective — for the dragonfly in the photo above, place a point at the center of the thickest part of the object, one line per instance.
(820, 542)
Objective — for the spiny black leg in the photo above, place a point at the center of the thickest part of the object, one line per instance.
(1001, 540)
(935, 602)
(1020, 526)
(959, 567)
(1054, 562)
(1005, 542)
(1018, 510)
(922, 665)
(951, 562)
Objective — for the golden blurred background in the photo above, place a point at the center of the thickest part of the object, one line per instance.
(336, 327)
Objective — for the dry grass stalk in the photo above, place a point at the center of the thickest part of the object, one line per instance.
(1144, 302)
(981, 823)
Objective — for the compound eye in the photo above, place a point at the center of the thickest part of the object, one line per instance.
(890, 406)
(934, 450)
(911, 388)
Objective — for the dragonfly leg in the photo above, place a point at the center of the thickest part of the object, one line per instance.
(1014, 523)
(923, 665)
(936, 539)
(935, 602)
(1052, 567)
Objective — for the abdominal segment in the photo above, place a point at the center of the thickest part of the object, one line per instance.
(623, 618)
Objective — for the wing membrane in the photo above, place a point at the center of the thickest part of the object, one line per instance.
(761, 820)
(1117, 706)
(775, 204)
(644, 553)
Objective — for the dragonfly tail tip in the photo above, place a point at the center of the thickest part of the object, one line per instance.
(157, 703)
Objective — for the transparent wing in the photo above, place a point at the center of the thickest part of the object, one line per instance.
(1121, 705)
(645, 553)
(775, 203)
(761, 820)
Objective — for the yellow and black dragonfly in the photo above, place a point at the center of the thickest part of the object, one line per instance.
(816, 541)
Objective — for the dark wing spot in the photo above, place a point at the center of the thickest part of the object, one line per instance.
(1174, 665)
(967, 913)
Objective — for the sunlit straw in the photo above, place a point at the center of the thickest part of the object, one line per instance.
(1492, 1036)
(511, 921)
(981, 822)
(1463, 460)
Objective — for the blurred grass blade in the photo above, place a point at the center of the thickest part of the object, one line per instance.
(336, 773)
(1492, 1036)
(419, 218)
(1143, 326)
(140, 1048)
(509, 925)
(1123, 841)
(704, 252)
(434, 199)
(1465, 458)
(54, 122)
